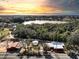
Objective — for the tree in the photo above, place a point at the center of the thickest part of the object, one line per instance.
(23, 32)
(4, 32)
(74, 38)
(17, 20)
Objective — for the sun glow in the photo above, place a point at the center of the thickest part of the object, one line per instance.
(29, 7)
(24, 6)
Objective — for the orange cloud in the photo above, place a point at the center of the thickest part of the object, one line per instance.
(2, 8)
(23, 8)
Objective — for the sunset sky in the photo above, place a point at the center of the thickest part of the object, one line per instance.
(39, 7)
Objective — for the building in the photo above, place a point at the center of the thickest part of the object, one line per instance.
(56, 46)
(10, 46)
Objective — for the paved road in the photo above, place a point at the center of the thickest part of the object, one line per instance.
(53, 56)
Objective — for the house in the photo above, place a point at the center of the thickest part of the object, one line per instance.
(56, 46)
(3, 46)
(10, 46)
(13, 46)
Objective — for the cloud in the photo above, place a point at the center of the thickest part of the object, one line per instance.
(39, 6)
(29, 8)
(2, 8)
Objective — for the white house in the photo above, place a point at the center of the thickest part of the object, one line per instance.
(57, 46)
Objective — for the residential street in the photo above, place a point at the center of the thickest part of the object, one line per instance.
(53, 56)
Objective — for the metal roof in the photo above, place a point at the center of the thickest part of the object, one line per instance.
(56, 45)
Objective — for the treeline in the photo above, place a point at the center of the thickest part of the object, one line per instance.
(20, 19)
(68, 32)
